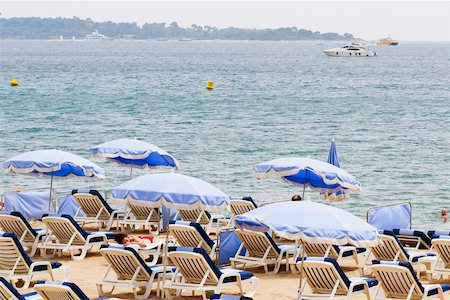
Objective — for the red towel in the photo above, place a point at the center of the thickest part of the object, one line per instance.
(147, 237)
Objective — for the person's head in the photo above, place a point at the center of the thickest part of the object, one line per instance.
(444, 215)
(122, 238)
(443, 212)
(296, 198)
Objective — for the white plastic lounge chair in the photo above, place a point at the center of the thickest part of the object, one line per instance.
(414, 239)
(71, 237)
(8, 292)
(228, 297)
(390, 249)
(399, 281)
(333, 251)
(141, 213)
(16, 223)
(50, 290)
(204, 218)
(16, 264)
(197, 272)
(327, 280)
(241, 206)
(96, 209)
(435, 234)
(261, 250)
(130, 270)
(441, 265)
(191, 234)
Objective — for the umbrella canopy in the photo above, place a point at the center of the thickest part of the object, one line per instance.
(319, 176)
(332, 155)
(53, 163)
(310, 221)
(134, 154)
(334, 160)
(174, 191)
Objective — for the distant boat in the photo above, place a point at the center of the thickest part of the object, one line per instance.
(61, 38)
(162, 39)
(185, 40)
(96, 36)
(353, 49)
(73, 38)
(387, 42)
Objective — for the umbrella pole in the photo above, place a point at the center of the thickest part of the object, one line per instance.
(131, 173)
(299, 292)
(304, 185)
(166, 251)
(50, 197)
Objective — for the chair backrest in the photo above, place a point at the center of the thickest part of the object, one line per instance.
(91, 202)
(12, 254)
(191, 234)
(442, 248)
(194, 215)
(142, 210)
(397, 278)
(7, 291)
(389, 247)
(59, 290)
(257, 243)
(15, 222)
(195, 265)
(436, 233)
(241, 206)
(410, 238)
(319, 250)
(126, 262)
(323, 273)
(64, 228)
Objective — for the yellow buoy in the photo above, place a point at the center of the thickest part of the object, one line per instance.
(14, 82)
(210, 85)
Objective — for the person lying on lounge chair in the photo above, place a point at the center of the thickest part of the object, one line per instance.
(125, 240)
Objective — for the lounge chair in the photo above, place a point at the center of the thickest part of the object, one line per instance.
(28, 236)
(204, 218)
(414, 239)
(327, 280)
(441, 265)
(261, 250)
(68, 235)
(228, 297)
(197, 272)
(16, 264)
(50, 290)
(131, 272)
(141, 213)
(241, 206)
(399, 281)
(96, 209)
(191, 234)
(390, 249)
(333, 251)
(434, 234)
(8, 292)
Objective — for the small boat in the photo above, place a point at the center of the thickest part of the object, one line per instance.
(96, 36)
(185, 40)
(353, 49)
(387, 42)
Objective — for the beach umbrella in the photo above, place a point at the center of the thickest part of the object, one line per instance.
(53, 163)
(306, 172)
(173, 190)
(310, 222)
(334, 160)
(135, 154)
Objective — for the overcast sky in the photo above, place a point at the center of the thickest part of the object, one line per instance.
(406, 21)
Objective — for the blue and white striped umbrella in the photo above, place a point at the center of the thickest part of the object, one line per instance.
(311, 222)
(174, 191)
(135, 154)
(53, 163)
(306, 172)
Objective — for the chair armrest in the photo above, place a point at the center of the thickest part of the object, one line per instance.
(40, 263)
(94, 235)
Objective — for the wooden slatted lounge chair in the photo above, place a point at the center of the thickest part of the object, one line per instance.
(262, 250)
(191, 234)
(28, 236)
(16, 264)
(414, 239)
(327, 280)
(399, 281)
(130, 270)
(141, 213)
(8, 292)
(96, 209)
(50, 290)
(241, 206)
(197, 272)
(441, 264)
(71, 237)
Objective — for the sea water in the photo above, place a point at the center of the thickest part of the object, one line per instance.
(389, 114)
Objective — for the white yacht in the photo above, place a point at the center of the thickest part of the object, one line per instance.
(353, 49)
(96, 36)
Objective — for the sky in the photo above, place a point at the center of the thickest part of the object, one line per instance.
(402, 20)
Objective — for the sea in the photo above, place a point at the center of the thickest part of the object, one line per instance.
(389, 114)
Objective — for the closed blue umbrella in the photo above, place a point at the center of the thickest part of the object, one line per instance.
(135, 154)
(332, 155)
(334, 160)
(319, 176)
(53, 163)
(174, 191)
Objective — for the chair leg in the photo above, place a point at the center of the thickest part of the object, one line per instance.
(102, 293)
